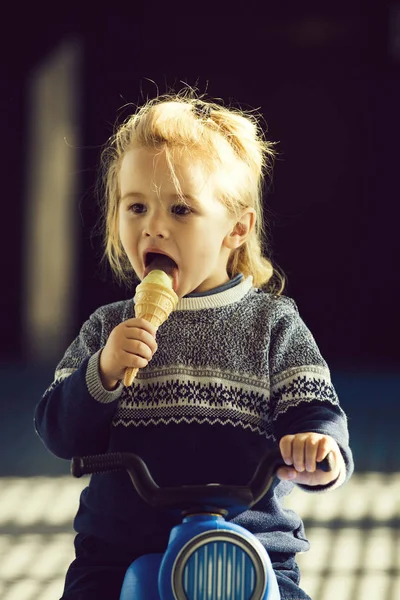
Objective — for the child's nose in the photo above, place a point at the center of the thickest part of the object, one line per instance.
(155, 226)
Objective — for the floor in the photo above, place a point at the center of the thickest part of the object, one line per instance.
(354, 534)
(354, 531)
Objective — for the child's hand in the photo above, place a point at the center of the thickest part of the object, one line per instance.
(302, 451)
(130, 344)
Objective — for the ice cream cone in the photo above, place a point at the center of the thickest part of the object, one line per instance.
(153, 302)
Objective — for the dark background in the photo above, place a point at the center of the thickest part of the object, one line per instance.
(328, 84)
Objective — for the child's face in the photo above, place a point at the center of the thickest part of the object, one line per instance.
(151, 217)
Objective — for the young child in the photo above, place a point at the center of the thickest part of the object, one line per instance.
(232, 372)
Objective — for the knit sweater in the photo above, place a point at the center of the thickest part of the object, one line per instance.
(235, 370)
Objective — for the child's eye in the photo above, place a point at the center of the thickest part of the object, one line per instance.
(181, 209)
(137, 208)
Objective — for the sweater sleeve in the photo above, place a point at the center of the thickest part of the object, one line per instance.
(75, 413)
(303, 397)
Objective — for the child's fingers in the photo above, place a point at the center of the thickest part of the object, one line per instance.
(134, 322)
(285, 446)
(134, 361)
(303, 450)
(286, 473)
(299, 453)
(324, 447)
(308, 448)
(142, 336)
(312, 445)
(138, 348)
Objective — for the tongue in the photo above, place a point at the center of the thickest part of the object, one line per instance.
(166, 264)
(161, 262)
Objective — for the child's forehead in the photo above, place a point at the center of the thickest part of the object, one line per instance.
(151, 158)
(151, 167)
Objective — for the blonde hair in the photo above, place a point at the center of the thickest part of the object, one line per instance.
(231, 146)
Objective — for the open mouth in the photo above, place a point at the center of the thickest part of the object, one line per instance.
(155, 260)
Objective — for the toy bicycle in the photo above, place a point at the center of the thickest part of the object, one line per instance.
(207, 558)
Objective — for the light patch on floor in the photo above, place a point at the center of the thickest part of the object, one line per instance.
(354, 534)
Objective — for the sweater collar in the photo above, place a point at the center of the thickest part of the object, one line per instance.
(216, 300)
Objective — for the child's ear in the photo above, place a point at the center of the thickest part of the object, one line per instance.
(241, 229)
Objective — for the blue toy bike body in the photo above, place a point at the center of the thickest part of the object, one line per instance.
(207, 558)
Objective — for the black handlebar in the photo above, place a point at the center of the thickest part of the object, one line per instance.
(225, 499)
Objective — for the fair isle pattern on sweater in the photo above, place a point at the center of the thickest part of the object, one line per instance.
(300, 384)
(241, 357)
(190, 395)
(182, 395)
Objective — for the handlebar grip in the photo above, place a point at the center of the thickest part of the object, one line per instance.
(103, 463)
(327, 464)
(100, 463)
(223, 496)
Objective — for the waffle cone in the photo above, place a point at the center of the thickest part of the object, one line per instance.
(154, 303)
